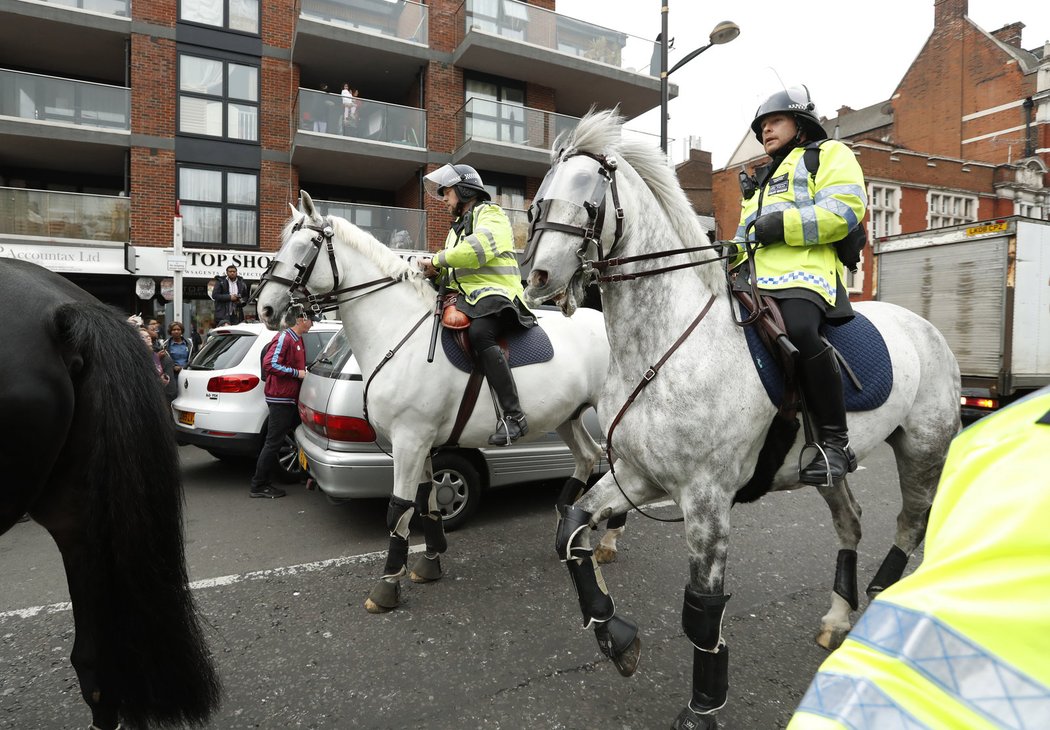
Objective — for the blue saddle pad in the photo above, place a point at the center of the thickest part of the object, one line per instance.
(526, 347)
(862, 346)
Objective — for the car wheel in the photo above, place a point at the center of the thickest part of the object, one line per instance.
(457, 488)
(289, 468)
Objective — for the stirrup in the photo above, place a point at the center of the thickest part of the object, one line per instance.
(503, 436)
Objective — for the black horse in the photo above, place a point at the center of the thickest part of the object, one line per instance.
(91, 456)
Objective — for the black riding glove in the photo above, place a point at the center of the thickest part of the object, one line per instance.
(770, 228)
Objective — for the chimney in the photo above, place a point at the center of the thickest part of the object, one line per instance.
(1010, 34)
(946, 12)
(844, 110)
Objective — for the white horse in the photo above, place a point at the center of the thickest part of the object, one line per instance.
(386, 307)
(696, 432)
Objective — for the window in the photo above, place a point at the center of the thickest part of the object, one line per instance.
(883, 211)
(501, 17)
(240, 15)
(947, 209)
(219, 207)
(1028, 210)
(495, 111)
(218, 98)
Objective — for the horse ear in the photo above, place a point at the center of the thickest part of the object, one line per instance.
(295, 211)
(306, 206)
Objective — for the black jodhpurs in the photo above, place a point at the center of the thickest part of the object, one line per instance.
(803, 318)
(484, 331)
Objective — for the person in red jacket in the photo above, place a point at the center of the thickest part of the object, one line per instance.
(284, 367)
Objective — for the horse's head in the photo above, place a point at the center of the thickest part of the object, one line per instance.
(298, 273)
(574, 218)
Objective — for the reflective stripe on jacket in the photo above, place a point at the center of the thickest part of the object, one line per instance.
(964, 641)
(817, 212)
(483, 262)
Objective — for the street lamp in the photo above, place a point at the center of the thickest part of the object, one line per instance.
(722, 33)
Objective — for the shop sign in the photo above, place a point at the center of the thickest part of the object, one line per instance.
(201, 263)
(145, 287)
(68, 259)
(167, 289)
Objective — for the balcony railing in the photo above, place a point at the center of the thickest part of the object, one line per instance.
(402, 229)
(120, 8)
(404, 20)
(495, 121)
(370, 120)
(540, 27)
(64, 215)
(47, 98)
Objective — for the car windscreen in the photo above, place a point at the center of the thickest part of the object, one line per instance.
(333, 357)
(223, 350)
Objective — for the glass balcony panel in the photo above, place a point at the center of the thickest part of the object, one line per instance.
(402, 229)
(407, 21)
(547, 29)
(492, 121)
(34, 96)
(106, 7)
(64, 215)
(373, 120)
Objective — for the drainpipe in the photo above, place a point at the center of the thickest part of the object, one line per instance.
(1029, 148)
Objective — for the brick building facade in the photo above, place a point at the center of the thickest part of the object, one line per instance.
(215, 110)
(964, 137)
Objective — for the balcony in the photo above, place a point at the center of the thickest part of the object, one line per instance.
(33, 215)
(63, 124)
(585, 64)
(402, 229)
(82, 37)
(381, 149)
(492, 135)
(335, 37)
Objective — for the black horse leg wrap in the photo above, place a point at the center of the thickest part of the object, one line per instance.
(396, 556)
(572, 491)
(574, 550)
(890, 571)
(433, 527)
(846, 577)
(395, 513)
(710, 679)
(702, 618)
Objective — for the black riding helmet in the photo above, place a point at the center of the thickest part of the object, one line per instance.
(797, 103)
(463, 178)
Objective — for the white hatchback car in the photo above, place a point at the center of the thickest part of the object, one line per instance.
(220, 405)
(338, 447)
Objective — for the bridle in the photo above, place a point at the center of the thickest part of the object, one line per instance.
(299, 296)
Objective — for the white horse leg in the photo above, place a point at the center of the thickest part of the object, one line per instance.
(707, 535)
(919, 466)
(845, 514)
(426, 568)
(409, 461)
(586, 453)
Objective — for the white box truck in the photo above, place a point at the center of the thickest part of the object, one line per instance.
(986, 287)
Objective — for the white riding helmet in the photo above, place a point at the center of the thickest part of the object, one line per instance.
(464, 178)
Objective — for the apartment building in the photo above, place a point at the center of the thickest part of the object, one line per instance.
(117, 116)
(965, 137)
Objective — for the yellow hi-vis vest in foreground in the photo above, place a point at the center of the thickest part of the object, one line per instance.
(963, 642)
(483, 262)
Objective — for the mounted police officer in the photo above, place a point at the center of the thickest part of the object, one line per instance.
(478, 262)
(794, 215)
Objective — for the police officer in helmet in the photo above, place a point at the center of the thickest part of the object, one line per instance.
(794, 215)
(478, 262)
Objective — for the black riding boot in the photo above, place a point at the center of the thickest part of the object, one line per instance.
(502, 381)
(821, 384)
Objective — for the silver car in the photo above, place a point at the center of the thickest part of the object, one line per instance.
(337, 447)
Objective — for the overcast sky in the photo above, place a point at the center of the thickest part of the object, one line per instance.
(850, 54)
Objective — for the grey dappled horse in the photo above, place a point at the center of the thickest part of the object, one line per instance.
(696, 431)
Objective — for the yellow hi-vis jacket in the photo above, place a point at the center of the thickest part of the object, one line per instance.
(817, 212)
(482, 263)
(964, 642)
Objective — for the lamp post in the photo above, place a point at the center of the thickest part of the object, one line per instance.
(721, 33)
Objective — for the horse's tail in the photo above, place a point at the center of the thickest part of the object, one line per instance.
(152, 652)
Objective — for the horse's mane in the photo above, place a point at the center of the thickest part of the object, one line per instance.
(388, 262)
(599, 132)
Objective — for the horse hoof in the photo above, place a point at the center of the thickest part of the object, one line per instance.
(425, 570)
(385, 596)
(604, 555)
(831, 638)
(627, 662)
(689, 720)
